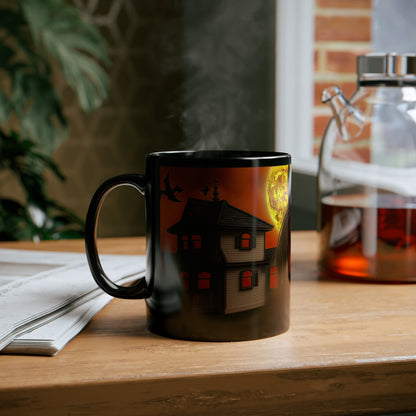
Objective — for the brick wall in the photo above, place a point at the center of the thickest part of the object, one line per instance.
(342, 32)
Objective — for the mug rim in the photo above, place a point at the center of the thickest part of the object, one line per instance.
(221, 157)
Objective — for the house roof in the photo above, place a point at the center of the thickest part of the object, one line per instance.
(199, 213)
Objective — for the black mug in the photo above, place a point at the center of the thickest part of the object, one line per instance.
(218, 244)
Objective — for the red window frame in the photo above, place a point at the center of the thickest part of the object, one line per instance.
(185, 242)
(246, 241)
(192, 241)
(248, 279)
(204, 280)
(196, 241)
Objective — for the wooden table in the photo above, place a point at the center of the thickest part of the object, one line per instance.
(351, 349)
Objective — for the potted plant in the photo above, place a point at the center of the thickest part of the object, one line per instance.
(38, 38)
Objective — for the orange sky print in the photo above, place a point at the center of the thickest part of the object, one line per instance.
(245, 188)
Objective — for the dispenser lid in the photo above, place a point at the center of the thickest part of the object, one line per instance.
(387, 66)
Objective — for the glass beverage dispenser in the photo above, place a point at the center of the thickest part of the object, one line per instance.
(367, 174)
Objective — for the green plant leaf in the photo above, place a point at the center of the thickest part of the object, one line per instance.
(38, 108)
(34, 33)
(4, 107)
(6, 54)
(17, 36)
(40, 217)
(22, 158)
(14, 222)
(61, 32)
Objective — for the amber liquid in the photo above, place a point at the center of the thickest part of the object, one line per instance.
(369, 237)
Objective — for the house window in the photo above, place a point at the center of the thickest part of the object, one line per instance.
(191, 242)
(196, 241)
(246, 241)
(185, 242)
(204, 280)
(273, 277)
(185, 280)
(248, 279)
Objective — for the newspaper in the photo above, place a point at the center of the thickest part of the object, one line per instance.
(46, 298)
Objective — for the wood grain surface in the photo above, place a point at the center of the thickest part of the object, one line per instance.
(351, 349)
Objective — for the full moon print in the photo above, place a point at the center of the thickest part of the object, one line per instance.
(278, 194)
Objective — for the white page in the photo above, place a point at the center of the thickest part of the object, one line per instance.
(59, 280)
(52, 333)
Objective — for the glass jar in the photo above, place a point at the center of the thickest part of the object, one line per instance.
(367, 174)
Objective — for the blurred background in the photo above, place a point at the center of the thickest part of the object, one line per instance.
(184, 74)
(204, 74)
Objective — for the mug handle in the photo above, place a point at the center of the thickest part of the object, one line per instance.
(140, 289)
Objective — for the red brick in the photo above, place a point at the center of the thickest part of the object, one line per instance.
(341, 61)
(358, 153)
(344, 4)
(344, 28)
(356, 148)
(319, 125)
(366, 132)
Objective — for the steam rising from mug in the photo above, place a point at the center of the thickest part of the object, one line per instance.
(228, 86)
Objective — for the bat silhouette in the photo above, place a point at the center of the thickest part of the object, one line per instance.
(169, 191)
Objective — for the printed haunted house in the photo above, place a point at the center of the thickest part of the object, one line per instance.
(228, 268)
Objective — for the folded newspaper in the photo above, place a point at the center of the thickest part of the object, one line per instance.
(46, 298)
